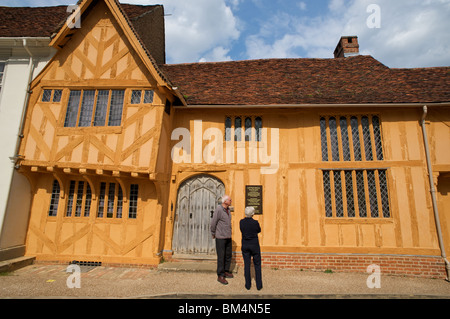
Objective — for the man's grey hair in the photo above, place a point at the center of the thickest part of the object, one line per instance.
(249, 211)
(224, 198)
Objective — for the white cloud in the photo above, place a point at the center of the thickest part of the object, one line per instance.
(217, 54)
(195, 30)
(336, 5)
(301, 5)
(199, 30)
(413, 33)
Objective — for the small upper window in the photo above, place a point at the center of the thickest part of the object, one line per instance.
(46, 96)
(136, 96)
(148, 96)
(252, 128)
(57, 94)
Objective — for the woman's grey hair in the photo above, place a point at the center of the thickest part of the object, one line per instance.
(249, 211)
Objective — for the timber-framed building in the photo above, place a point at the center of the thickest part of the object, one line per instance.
(348, 160)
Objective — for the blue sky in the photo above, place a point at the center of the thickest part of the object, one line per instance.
(400, 33)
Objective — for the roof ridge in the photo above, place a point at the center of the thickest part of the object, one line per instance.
(273, 60)
(352, 80)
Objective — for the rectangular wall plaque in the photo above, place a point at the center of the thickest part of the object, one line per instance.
(254, 197)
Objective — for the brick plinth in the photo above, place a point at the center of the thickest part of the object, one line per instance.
(406, 265)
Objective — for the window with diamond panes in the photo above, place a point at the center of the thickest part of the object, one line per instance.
(148, 96)
(356, 193)
(79, 199)
(136, 96)
(110, 200)
(46, 96)
(54, 201)
(251, 126)
(353, 192)
(132, 209)
(351, 138)
(116, 108)
(237, 129)
(57, 95)
(87, 108)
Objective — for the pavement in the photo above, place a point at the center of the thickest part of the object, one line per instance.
(199, 281)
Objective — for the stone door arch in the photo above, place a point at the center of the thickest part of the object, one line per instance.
(197, 198)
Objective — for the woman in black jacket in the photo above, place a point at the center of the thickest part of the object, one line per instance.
(250, 247)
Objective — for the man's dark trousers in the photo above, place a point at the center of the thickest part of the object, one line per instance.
(224, 253)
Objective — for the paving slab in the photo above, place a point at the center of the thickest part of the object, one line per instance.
(50, 281)
(207, 267)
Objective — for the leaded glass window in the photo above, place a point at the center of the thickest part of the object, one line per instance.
(258, 128)
(46, 96)
(354, 140)
(228, 129)
(353, 192)
(357, 186)
(136, 96)
(87, 108)
(148, 96)
(323, 138)
(237, 129)
(248, 129)
(87, 105)
(249, 125)
(115, 113)
(132, 210)
(53, 210)
(101, 108)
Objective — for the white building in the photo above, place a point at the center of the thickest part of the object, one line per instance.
(24, 37)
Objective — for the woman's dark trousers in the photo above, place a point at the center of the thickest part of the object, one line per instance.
(249, 251)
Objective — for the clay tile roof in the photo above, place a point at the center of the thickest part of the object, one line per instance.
(30, 21)
(44, 21)
(352, 80)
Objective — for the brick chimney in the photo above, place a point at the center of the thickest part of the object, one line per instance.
(347, 46)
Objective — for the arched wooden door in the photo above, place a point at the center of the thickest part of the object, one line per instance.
(197, 198)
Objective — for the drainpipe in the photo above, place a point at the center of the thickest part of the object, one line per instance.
(433, 193)
(31, 66)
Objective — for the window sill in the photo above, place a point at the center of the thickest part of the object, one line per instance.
(62, 131)
(358, 220)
